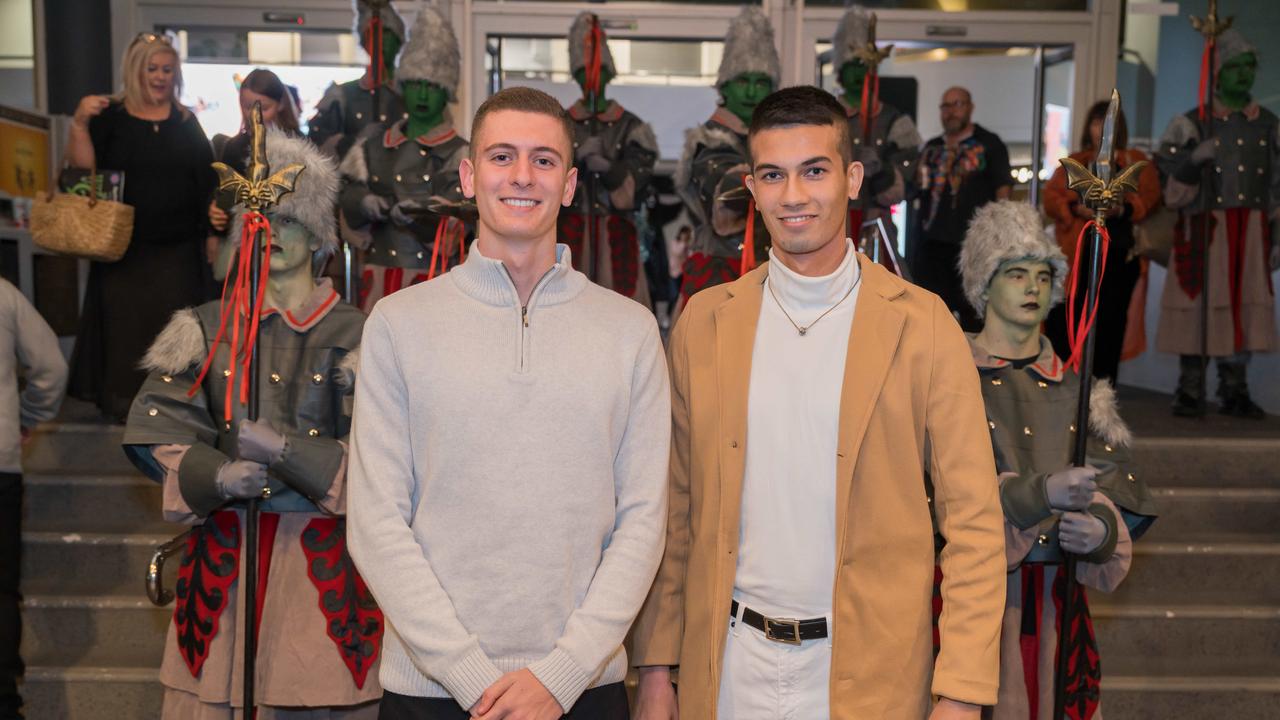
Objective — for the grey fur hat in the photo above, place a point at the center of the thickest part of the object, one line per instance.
(852, 33)
(431, 52)
(578, 45)
(365, 10)
(749, 48)
(1002, 231)
(314, 194)
(1230, 44)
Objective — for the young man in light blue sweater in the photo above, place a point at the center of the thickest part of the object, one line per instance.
(509, 455)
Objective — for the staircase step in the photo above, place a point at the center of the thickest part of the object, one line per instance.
(85, 692)
(89, 563)
(1202, 571)
(71, 447)
(1193, 461)
(94, 504)
(1190, 698)
(1191, 511)
(1211, 633)
(105, 631)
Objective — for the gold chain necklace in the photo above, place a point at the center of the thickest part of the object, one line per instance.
(802, 329)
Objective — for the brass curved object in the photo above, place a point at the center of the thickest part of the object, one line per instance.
(156, 591)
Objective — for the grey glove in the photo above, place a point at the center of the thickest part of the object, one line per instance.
(1071, 489)
(591, 154)
(1204, 152)
(400, 215)
(241, 480)
(1081, 532)
(375, 207)
(257, 441)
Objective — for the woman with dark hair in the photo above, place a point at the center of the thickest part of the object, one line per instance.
(1123, 267)
(278, 110)
(158, 144)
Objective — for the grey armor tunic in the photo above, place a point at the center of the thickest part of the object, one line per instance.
(390, 166)
(895, 144)
(1244, 201)
(345, 114)
(630, 145)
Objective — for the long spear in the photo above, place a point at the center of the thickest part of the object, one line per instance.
(1210, 27)
(592, 71)
(1100, 193)
(258, 194)
(870, 55)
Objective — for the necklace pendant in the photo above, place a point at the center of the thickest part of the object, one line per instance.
(803, 330)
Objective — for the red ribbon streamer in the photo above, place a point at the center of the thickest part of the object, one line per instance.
(871, 87)
(374, 43)
(240, 308)
(1078, 327)
(1206, 67)
(593, 47)
(748, 262)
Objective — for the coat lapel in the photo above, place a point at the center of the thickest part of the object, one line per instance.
(736, 321)
(873, 340)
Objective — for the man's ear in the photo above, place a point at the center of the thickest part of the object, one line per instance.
(570, 185)
(750, 181)
(467, 177)
(853, 177)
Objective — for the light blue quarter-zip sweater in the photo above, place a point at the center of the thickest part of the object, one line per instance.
(507, 486)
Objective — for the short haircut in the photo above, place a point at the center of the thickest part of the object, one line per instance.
(523, 99)
(802, 105)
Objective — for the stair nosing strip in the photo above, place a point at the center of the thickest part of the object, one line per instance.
(89, 602)
(1217, 493)
(89, 479)
(51, 537)
(1160, 442)
(1186, 612)
(1190, 683)
(1171, 547)
(92, 673)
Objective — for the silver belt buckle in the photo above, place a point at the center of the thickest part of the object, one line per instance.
(791, 627)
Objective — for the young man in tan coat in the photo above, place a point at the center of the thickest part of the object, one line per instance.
(808, 398)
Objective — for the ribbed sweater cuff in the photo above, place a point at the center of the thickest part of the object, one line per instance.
(562, 677)
(467, 680)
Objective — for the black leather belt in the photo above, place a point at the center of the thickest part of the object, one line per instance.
(783, 630)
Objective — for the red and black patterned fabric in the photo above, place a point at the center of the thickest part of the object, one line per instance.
(624, 249)
(210, 564)
(355, 623)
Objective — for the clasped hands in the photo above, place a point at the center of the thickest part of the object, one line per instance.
(518, 695)
(1070, 492)
(259, 446)
(591, 154)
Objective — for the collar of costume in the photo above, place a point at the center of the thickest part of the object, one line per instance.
(366, 82)
(1222, 112)
(488, 281)
(438, 135)
(309, 314)
(611, 113)
(723, 117)
(1047, 366)
(803, 293)
(852, 110)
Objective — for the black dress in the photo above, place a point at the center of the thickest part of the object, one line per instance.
(168, 181)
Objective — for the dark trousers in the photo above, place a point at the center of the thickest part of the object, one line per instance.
(934, 269)
(607, 702)
(10, 623)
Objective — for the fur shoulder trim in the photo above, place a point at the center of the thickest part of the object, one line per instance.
(354, 166)
(179, 346)
(642, 135)
(1104, 415)
(348, 367)
(1181, 132)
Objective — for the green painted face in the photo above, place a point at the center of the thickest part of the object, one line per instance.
(744, 92)
(1235, 79)
(293, 244)
(425, 102)
(1020, 293)
(852, 75)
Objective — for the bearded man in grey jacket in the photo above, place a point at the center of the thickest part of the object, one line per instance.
(509, 454)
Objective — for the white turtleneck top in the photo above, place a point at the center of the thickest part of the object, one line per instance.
(786, 555)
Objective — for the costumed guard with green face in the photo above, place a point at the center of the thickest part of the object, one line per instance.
(1242, 208)
(614, 151)
(319, 630)
(728, 239)
(885, 140)
(1013, 273)
(399, 181)
(348, 110)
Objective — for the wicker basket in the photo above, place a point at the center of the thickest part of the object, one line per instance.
(82, 226)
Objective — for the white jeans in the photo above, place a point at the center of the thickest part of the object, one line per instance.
(768, 680)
